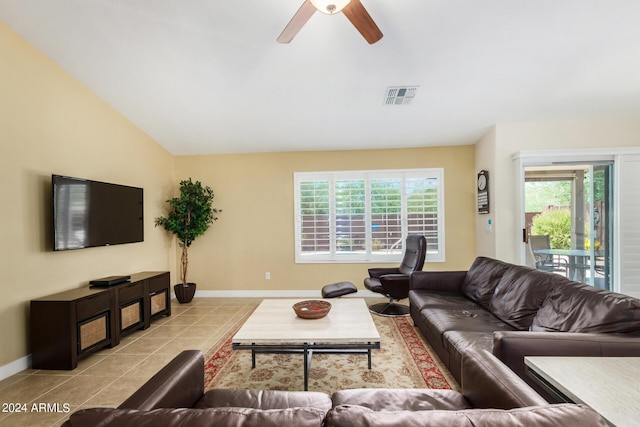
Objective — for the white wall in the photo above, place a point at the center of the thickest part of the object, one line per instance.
(486, 160)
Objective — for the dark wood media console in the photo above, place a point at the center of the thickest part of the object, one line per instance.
(69, 325)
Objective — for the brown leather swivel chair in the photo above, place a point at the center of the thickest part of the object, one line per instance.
(394, 282)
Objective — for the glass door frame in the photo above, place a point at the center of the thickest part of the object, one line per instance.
(591, 216)
(561, 157)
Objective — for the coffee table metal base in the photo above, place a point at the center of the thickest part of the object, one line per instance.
(307, 350)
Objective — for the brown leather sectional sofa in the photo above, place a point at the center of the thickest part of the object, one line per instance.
(515, 311)
(492, 396)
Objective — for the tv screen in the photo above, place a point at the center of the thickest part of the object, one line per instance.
(91, 213)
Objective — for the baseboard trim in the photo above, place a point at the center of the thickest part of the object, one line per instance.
(14, 367)
(279, 294)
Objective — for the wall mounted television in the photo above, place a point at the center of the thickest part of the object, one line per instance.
(90, 213)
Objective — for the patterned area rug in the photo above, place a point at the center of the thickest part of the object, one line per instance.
(405, 360)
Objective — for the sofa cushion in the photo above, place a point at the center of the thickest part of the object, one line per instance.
(263, 399)
(576, 307)
(439, 299)
(482, 278)
(565, 415)
(459, 342)
(401, 399)
(228, 417)
(443, 320)
(520, 293)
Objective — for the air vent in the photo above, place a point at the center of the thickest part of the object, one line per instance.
(400, 95)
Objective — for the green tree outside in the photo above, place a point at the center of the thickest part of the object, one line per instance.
(557, 224)
(540, 194)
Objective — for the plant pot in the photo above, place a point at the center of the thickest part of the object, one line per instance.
(184, 294)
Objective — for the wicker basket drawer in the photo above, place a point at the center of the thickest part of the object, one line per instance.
(131, 315)
(93, 331)
(159, 302)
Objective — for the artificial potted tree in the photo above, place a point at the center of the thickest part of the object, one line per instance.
(190, 215)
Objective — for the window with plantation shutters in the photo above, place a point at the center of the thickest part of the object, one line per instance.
(365, 216)
(313, 216)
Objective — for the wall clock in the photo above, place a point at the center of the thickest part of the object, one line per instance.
(483, 192)
(482, 182)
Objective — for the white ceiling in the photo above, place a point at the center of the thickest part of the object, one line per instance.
(207, 76)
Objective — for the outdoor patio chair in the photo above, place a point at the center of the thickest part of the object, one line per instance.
(546, 262)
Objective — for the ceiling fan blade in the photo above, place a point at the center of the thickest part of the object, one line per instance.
(297, 22)
(360, 18)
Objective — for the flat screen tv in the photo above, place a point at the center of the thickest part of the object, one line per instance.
(91, 213)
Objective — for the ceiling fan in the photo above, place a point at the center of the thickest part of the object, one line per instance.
(352, 9)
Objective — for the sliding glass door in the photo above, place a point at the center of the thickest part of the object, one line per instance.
(569, 213)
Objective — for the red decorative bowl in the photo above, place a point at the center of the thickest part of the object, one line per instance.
(312, 309)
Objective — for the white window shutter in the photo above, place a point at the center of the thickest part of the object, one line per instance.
(628, 167)
(363, 216)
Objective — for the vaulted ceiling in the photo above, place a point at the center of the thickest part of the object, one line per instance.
(207, 76)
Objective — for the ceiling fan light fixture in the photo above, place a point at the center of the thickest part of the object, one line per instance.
(330, 7)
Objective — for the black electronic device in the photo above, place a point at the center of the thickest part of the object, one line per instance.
(110, 281)
(90, 213)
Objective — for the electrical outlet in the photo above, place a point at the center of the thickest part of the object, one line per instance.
(267, 276)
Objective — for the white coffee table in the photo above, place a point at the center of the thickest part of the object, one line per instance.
(274, 328)
(609, 385)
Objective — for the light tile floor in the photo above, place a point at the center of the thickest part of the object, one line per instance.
(109, 376)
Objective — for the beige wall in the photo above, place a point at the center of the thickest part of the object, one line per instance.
(50, 123)
(255, 232)
(485, 160)
(508, 139)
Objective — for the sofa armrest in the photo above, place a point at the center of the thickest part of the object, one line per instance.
(448, 281)
(180, 384)
(512, 346)
(489, 383)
